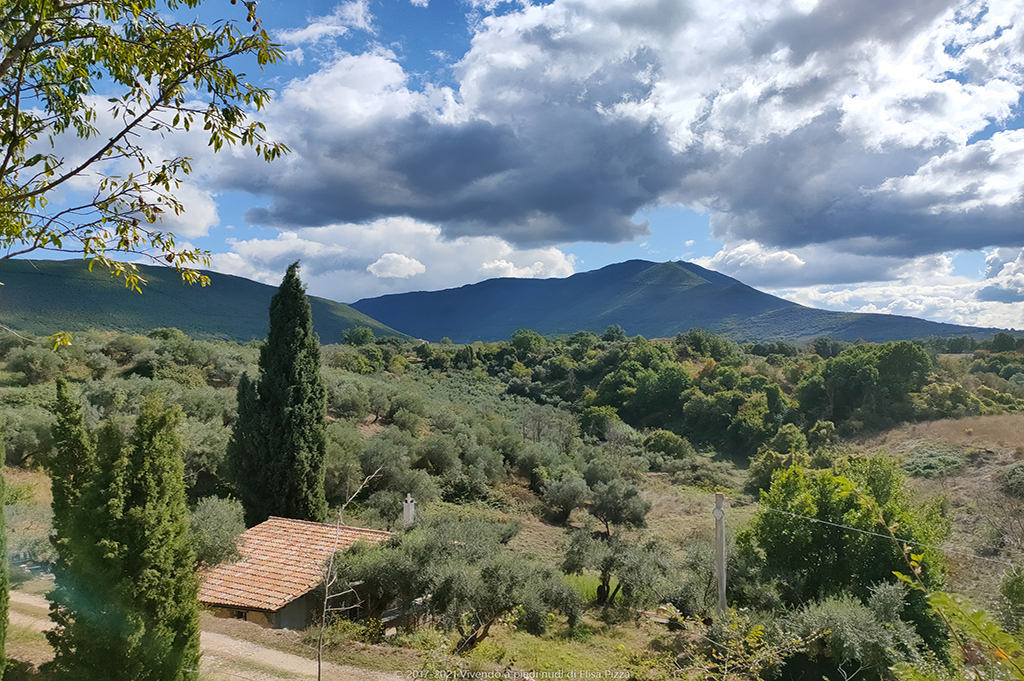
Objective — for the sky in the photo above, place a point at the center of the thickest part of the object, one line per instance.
(862, 155)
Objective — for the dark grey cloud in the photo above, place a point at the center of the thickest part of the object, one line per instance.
(560, 171)
(814, 185)
(564, 128)
(1000, 294)
(836, 24)
(581, 176)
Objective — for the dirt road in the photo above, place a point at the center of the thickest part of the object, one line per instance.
(224, 658)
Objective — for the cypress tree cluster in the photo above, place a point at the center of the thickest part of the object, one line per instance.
(278, 445)
(125, 600)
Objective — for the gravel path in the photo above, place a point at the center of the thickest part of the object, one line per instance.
(226, 658)
(224, 648)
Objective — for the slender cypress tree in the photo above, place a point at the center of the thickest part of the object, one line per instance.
(257, 486)
(278, 445)
(72, 465)
(129, 608)
(159, 581)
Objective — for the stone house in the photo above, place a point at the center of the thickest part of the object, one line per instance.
(282, 564)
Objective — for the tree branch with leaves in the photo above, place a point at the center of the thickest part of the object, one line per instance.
(107, 72)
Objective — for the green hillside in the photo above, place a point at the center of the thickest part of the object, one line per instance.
(43, 297)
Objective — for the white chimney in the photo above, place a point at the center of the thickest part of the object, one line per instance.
(409, 510)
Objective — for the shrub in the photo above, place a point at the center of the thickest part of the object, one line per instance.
(594, 420)
(1012, 591)
(668, 443)
(215, 526)
(27, 435)
(852, 636)
(38, 364)
(813, 560)
(1012, 481)
(358, 335)
(705, 474)
(789, 440)
(767, 462)
(564, 495)
(934, 460)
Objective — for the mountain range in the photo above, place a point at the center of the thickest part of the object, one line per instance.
(655, 300)
(652, 299)
(46, 296)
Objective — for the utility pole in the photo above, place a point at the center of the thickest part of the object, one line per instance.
(719, 514)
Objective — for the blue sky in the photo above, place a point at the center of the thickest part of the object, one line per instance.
(849, 154)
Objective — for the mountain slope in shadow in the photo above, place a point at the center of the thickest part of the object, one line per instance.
(46, 296)
(655, 300)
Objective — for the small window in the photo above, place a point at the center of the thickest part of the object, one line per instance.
(238, 614)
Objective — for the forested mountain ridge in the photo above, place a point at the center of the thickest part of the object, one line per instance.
(655, 300)
(650, 299)
(42, 297)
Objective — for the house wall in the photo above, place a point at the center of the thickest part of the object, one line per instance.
(264, 619)
(296, 615)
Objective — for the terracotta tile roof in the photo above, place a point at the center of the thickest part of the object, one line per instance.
(281, 560)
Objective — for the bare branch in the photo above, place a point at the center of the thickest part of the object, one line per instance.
(330, 578)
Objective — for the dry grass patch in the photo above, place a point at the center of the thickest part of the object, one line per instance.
(28, 646)
(596, 647)
(679, 514)
(987, 526)
(539, 540)
(1005, 431)
(33, 483)
(369, 427)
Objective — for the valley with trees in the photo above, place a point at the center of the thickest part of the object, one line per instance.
(563, 472)
(563, 484)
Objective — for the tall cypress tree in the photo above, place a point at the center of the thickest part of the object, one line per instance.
(129, 609)
(278, 445)
(257, 486)
(71, 466)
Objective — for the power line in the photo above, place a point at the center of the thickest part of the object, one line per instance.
(969, 554)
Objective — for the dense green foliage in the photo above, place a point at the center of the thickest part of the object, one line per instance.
(125, 603)
(807, 514)
(72, 466)
(278, 444)
(576, 430)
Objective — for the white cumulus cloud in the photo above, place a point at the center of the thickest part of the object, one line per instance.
(396, 266)
(346, 16)
(346, 262)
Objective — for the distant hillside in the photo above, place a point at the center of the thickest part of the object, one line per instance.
(43, 297)
(652, 299)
